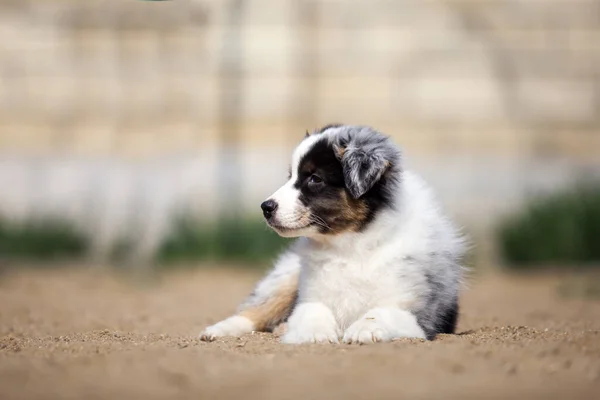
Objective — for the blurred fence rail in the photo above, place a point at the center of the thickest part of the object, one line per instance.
(491, 98)
(136, 76)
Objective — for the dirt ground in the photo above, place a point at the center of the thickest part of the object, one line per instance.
(94, 335)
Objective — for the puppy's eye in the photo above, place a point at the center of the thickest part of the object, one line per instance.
(315, 179)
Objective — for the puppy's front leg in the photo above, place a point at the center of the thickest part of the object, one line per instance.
(383, 325)
(269, 305)
(312, 323)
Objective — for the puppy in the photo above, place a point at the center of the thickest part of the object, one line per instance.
(376, 258)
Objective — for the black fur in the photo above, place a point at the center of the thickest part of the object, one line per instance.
(323, 199)
(450, 319)
(437, 318)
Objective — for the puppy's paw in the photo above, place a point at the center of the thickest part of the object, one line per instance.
(232, 326)
(366, 331)
(280, 329)
(311, 323)
(383, 325)
(311, 334)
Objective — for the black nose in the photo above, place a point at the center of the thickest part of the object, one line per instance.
(268, 208)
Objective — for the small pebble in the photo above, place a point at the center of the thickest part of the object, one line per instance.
(511, 370)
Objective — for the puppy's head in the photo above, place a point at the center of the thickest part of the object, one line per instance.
(340, 177)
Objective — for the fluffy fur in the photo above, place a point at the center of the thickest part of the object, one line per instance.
(376, 259)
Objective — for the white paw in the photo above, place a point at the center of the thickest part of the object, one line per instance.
(383, 325)
(311, 323)
(311, 334)
(232, 326)
(365, 331)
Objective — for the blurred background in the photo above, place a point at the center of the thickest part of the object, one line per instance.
(148, 132)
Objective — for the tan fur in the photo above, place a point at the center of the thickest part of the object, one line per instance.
(339, 151)
(354, 210)
(276, 309)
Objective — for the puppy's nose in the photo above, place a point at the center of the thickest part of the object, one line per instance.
(268, 208)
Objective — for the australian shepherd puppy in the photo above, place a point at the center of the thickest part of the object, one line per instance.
(376, 258)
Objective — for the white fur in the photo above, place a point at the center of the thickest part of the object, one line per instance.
(312, 323)
(383, 325)
(287, 201)
(232, 326)
(291, 214)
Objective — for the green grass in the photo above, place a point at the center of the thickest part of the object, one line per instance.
(559, 229)
(246, 241)
(41, 240)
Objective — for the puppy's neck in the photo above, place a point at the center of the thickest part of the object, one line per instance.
(376, 233)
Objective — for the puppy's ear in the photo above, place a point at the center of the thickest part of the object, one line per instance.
(362, 169)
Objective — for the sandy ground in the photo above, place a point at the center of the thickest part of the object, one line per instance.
(76, 334)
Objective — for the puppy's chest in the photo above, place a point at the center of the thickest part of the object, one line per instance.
(349, 287)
